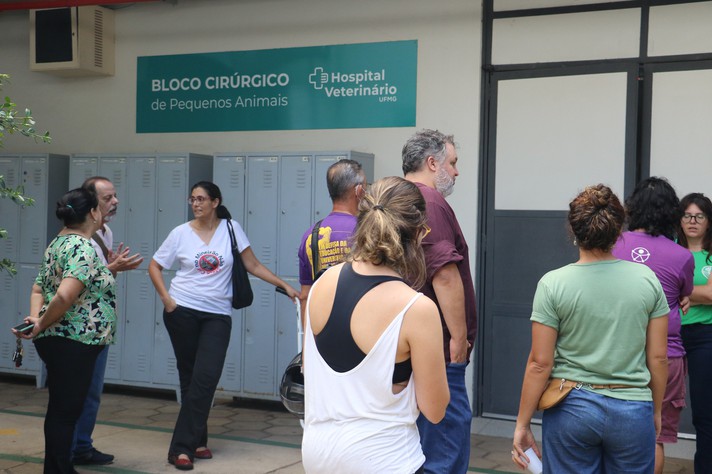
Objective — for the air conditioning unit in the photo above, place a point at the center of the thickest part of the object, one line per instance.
(72, 41)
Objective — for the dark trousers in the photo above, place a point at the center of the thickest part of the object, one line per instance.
(200, 342)
(697, 339)
(70, 365)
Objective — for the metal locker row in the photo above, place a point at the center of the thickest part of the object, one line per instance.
(30, 228)
(275, 197)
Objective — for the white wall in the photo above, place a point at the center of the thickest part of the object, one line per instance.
(98, 114)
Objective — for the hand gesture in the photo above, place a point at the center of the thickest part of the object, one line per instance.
(121, 261)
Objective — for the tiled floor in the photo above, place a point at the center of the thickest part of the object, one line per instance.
(272, 434)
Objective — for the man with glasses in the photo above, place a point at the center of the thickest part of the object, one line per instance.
(84, 452)
(346, 182)
(430, 161)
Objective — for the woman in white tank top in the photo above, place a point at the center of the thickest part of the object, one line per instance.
(361, 399)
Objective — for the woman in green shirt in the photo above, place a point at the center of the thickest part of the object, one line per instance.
(600, 323)
(72, 307)
(697, 323)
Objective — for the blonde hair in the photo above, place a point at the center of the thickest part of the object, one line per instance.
(391, 223)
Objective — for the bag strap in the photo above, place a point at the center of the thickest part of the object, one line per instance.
(315, 248)
(102, 245)
(233, 239)
(563, 383)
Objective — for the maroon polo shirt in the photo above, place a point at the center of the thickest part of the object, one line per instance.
(442, 245)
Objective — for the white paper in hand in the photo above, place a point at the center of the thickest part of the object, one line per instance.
(534, 462)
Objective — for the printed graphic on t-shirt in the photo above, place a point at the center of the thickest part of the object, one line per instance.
(640, 254)
(706, 271)
(330, 253)
(209, 262)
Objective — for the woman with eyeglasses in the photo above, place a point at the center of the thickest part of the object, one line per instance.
(697, 323)
(653, 212)
(197, 310)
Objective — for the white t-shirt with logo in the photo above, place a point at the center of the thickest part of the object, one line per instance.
(204, 277)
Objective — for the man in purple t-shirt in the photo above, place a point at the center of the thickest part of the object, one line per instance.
(346, 181)
(653, 216)
(429, 160)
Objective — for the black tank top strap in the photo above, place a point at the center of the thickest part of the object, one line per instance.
(335, 341)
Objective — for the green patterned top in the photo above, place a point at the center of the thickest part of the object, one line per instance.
(92, 317)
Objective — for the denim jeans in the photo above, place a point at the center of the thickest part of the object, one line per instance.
(592, 433)
(697, 339)
(85, 425)
(200, 342)
(70, 365)
(446, 445)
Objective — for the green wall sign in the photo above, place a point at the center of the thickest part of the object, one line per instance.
(344, 86)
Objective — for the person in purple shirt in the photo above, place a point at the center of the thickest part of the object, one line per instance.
(653, 213)
(346, 182)
(430, 161)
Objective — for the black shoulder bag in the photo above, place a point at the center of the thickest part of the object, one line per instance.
(241, 289)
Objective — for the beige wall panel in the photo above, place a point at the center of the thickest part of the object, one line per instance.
(680, 29)
(557, 135)
(681, 142)
(567, 37)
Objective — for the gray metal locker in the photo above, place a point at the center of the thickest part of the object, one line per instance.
(82, 167)
(164, 361)
(286, 330)
(38, 223)
(259, 371)
(10, 317)
(262, 200)
(142, 206)
(229, 175)
(115, 168)
(174, 178)
(137, 351)
(295, 191)
(10, 169)
(231, 379)
(322, 201)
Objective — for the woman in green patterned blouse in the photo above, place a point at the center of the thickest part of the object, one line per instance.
(72, 307)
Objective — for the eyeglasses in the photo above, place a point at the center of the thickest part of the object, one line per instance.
(198, 199)
(699, 218)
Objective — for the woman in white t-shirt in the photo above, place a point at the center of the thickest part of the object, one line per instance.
(197, 311)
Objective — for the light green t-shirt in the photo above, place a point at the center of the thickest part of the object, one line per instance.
(700, 313)
(601, 312)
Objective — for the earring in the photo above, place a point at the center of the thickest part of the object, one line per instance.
(575, 242)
